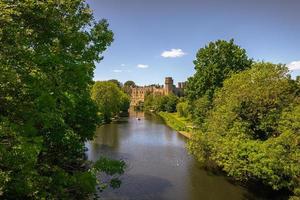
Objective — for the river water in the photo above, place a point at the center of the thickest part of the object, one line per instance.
(159, 167)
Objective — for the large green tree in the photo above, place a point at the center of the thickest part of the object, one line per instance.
(110, 99)
(252, 132)
(214, 63)
(47, 55)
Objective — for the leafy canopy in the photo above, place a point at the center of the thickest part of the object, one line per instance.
(252, 131)
(110, 99)
(214, 63)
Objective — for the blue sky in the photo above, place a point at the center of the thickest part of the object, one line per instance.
(158, 38)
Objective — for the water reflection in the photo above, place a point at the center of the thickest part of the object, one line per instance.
(159, 166)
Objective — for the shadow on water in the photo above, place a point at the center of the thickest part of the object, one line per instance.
(258, 191)
(254, 190)
(138, 187)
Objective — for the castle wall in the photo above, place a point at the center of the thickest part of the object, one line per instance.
(138, 93)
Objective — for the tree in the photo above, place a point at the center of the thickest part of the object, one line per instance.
(115, 81)
(252, 132)
(107, 96)
(149, 102)
(48, 50)
(129, 83)
(125, 102)
(214, 63)
(182, 109)
(199, 109)
(110, 99)
(127, 87)
(171, 102)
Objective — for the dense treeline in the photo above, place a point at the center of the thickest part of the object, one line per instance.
(247, 116)
(47, 55)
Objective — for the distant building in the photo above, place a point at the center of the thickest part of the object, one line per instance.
(138, 93)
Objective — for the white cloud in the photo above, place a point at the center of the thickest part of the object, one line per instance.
(173, 53)
(295, 65)
(142, 66)
(123, 65)
(117, 70)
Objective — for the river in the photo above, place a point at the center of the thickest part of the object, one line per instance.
(159, 167)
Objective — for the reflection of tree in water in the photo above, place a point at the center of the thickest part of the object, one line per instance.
(108, 138)
(154, 118)
(139, 187)
(106, 142)
(108, 135)
(207, 183)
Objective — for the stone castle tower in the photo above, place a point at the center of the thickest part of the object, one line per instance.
(169, 85)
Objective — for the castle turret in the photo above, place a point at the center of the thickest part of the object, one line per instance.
(169, 85)
(179, 85)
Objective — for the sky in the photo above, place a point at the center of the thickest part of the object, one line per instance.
(154, 39)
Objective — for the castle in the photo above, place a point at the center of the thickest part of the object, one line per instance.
(138, 93)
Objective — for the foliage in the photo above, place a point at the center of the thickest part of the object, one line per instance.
(47, 55)
(124, 102)
(149, 103)
(110, 99)
(182, 109)
(112, 168)
(153, 102)
(199, 109)
(252, 132)
(171, 102)
(256, 98)
(115, 81)
(19, 155)
(214, 63)
(161, 103)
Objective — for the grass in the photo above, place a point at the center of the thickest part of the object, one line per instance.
(180, 124)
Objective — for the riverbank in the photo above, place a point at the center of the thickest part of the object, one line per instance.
(180, 124)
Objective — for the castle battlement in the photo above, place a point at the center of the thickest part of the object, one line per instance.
(138, 93)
